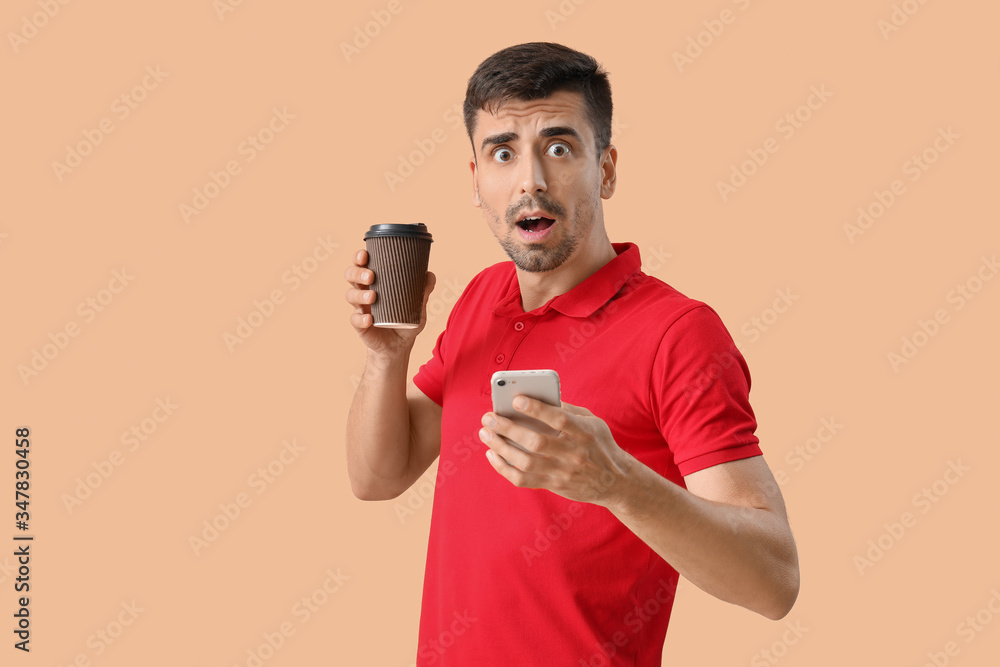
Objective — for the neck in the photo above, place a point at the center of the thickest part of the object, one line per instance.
(538, 288)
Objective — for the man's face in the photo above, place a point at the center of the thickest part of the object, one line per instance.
(537, 177)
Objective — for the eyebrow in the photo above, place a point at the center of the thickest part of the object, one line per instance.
(497, 139)
(505, 137)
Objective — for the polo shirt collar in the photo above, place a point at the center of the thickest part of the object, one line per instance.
(587, 297)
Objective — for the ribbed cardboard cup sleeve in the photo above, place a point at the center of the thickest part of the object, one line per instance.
(399, 263)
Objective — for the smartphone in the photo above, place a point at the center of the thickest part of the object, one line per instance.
(542, 384)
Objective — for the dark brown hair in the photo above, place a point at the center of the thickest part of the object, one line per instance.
(537, 70)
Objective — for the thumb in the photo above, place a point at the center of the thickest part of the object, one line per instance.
(429, 287)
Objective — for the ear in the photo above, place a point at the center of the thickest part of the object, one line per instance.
(609, 172)
(476, 201)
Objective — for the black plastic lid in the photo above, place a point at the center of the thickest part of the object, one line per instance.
(417, 230)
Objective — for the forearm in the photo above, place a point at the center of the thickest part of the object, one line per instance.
(378, 429)
(743, 555)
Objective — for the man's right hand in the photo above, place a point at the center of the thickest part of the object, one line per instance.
(393, 429)
(381, 341)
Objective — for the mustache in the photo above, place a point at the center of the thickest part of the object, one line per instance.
(541, 203)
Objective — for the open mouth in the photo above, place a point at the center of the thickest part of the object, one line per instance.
(535, 224)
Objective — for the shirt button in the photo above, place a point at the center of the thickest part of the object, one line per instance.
(518, 326)
(500, 358)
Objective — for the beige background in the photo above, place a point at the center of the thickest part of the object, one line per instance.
(679, 131)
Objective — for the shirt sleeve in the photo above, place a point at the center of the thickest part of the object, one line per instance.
(701, 388)
(430, 377)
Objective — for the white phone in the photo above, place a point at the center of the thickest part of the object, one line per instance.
(542, 384)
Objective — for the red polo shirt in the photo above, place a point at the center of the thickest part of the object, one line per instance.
(523, 576)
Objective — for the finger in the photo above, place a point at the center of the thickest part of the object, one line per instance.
(428, 288)
(576, 410)
(528, 438)
(510, 453)
(359, 276)
(555, 416)
(361, 258)
(512, 474)
(499, 463)
(360, 297)
(362, 321)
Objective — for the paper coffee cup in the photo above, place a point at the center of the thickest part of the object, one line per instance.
(398, 256)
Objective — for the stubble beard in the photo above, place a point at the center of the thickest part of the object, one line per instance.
(541, 257)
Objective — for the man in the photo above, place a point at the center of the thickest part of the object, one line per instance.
(567, 552)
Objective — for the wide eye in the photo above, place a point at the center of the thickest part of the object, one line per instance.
(558, 149)
(503, 155)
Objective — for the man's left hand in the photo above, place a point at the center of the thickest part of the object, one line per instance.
(582, 462)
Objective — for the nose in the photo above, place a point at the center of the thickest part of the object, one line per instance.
(532, 174)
